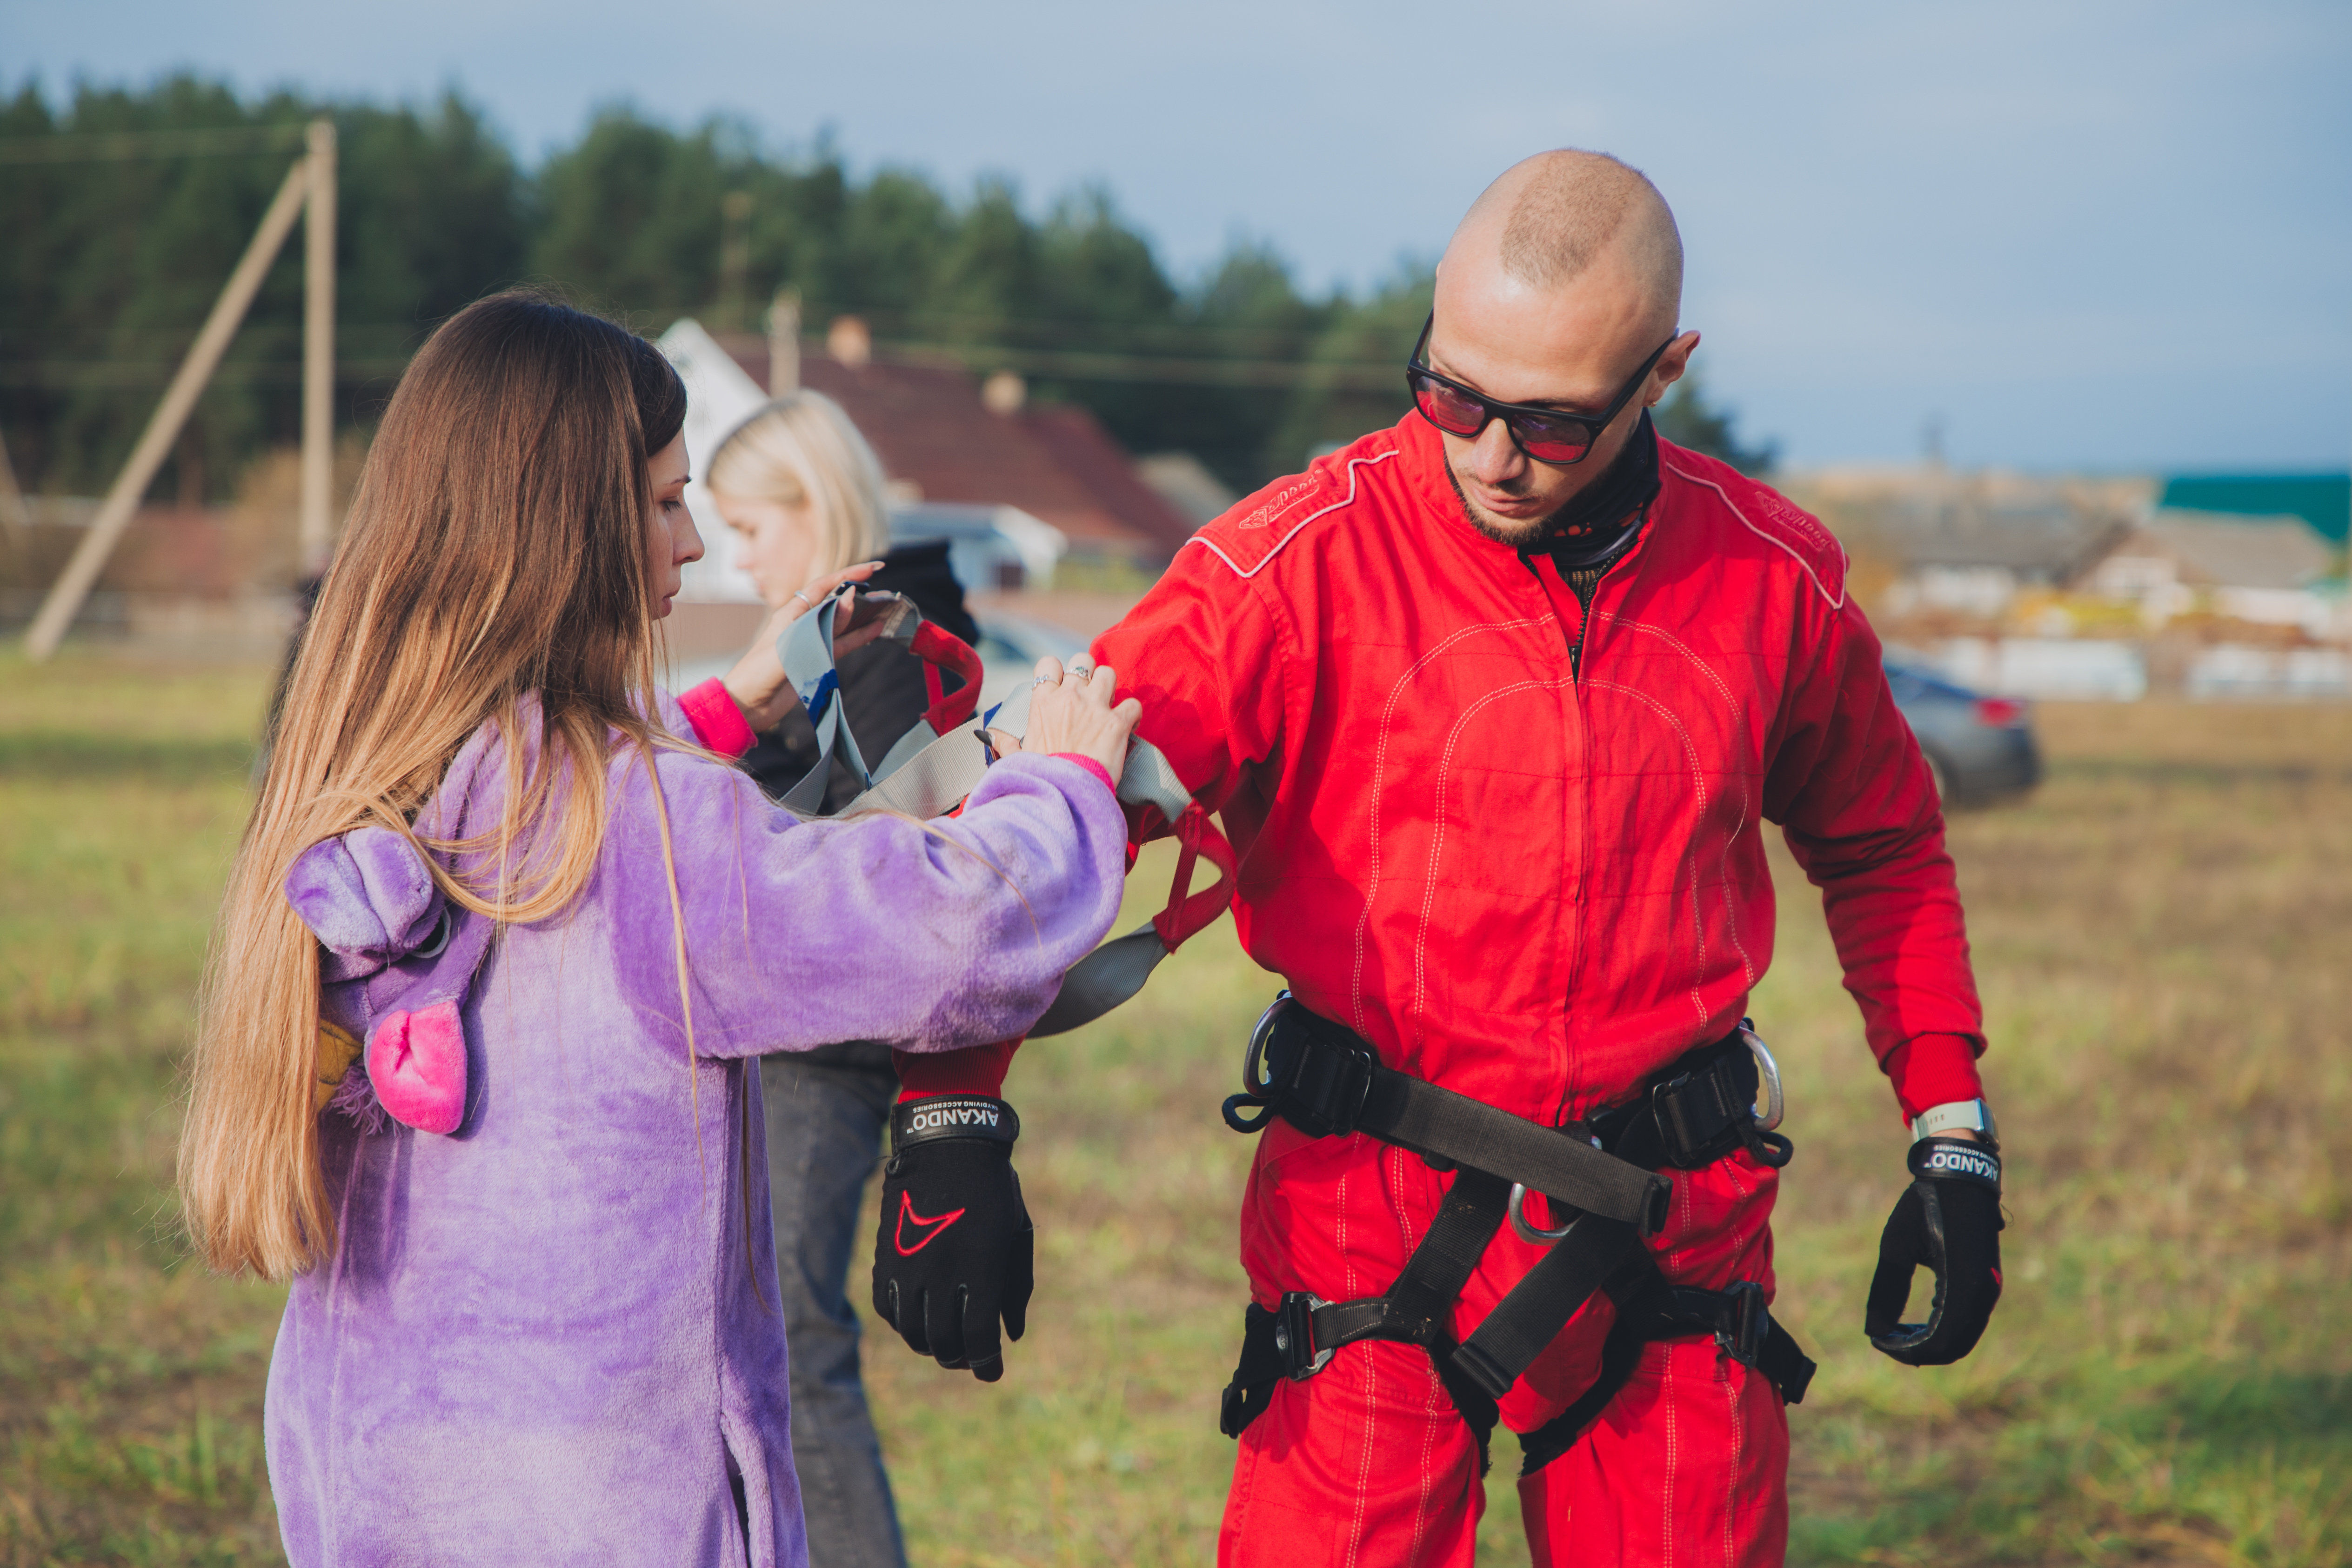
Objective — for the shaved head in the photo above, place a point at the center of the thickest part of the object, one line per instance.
(1552, 217)
(1564, 279)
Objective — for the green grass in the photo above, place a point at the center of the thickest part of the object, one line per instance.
(2159, 935)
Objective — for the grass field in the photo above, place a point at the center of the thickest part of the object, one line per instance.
(2160, 940)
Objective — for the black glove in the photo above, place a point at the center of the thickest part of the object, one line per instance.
(956, 1249)
(1948, 1220)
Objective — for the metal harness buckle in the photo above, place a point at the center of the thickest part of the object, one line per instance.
(1750, 1325)
(1321, 1093)
(1294, 1336)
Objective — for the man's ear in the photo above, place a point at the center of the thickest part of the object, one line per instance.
(1670, 367)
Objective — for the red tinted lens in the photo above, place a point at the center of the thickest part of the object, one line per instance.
(1448, 409)
(1552, 440)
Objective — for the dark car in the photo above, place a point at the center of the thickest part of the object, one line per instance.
(1979, 748)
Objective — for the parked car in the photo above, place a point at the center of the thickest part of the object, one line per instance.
(1010, 647)
(1980, 748)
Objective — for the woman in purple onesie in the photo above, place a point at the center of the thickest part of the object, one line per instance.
(503, 937)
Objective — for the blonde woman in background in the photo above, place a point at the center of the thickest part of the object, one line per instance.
(803, 493)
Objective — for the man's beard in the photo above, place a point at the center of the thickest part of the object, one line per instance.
(1518, 535)
(1591, 520)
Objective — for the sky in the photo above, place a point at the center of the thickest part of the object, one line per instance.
(2103, 235)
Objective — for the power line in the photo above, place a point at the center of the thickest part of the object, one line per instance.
(1353, 376)
(1058, 364)
(119, 145)
(138, 375)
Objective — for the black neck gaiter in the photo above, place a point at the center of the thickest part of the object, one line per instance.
(1600, 520)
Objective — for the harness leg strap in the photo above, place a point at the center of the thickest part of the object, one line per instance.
(1532, 1314)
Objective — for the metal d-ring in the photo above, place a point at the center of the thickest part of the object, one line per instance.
(1254, 1057)
(1769, 1071)
(1531, 1233)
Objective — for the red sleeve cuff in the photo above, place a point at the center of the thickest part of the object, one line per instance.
(1091, 766)
(717, 723)
(979, 1071)
(1933, 1070)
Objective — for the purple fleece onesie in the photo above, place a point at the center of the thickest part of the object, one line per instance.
(552, 1335)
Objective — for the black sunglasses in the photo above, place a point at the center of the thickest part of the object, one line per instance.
(1545, 435)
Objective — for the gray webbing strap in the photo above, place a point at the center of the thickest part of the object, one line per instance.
(926, 776)
(941, 773)
(806, 650)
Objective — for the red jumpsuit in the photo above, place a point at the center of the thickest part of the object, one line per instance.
(1517, 847)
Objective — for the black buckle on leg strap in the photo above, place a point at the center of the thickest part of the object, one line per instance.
(1738, 1317)
(1649, 1309)
(1294, 1336)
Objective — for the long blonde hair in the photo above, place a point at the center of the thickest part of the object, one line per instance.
(494, 570)
(803, 448)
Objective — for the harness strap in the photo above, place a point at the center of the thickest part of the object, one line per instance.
(806, 650)
(1532, 1314)
(1322, 1079)
(1649, 1309)
(1298, 1337)
(931, 767)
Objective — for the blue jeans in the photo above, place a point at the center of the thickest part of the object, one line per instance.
(826, 1110)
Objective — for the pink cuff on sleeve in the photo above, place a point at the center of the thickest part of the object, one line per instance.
(717, 723)
(1091, 766)
(1933, 1070)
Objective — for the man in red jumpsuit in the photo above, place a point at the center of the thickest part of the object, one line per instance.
(1494, 705)
(1499, 813)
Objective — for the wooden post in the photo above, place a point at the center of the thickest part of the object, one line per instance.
(784, 343)
(203, 356)
(319, 352)
(16, 517)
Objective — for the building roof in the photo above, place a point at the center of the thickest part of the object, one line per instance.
(2037, 540)
(2220, 550)
(927, 423)
(2322, 500)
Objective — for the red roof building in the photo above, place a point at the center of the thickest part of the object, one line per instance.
(940, 442)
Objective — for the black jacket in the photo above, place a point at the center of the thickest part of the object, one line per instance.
(882, 685)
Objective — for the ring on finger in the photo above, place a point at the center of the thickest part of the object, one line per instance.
(1044, 681)
(1084, 672)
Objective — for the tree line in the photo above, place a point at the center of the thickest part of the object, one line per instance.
(113, 262)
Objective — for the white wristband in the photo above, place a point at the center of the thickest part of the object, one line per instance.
(1959, 1116)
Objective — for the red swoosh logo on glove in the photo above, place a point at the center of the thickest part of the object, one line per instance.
(930, 1228)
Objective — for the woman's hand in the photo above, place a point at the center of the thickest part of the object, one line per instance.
(1073, 713)
(757, 682)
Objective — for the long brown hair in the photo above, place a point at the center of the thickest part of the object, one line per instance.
(494, 570)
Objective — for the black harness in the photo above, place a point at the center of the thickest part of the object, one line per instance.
(1326, 1081)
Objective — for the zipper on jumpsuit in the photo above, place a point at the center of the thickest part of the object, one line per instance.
(1567, 1079)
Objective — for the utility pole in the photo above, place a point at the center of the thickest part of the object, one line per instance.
(309, 188)
(784, 343)
(121, 502)
(319, 352)
(16, 517)
(734, 259)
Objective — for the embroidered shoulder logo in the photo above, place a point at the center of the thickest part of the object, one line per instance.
(1281, 501)
(927, 1230)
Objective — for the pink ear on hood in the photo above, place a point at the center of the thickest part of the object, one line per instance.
(417, 1063)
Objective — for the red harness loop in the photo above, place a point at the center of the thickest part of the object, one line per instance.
(1189, 913)
(939, 650)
